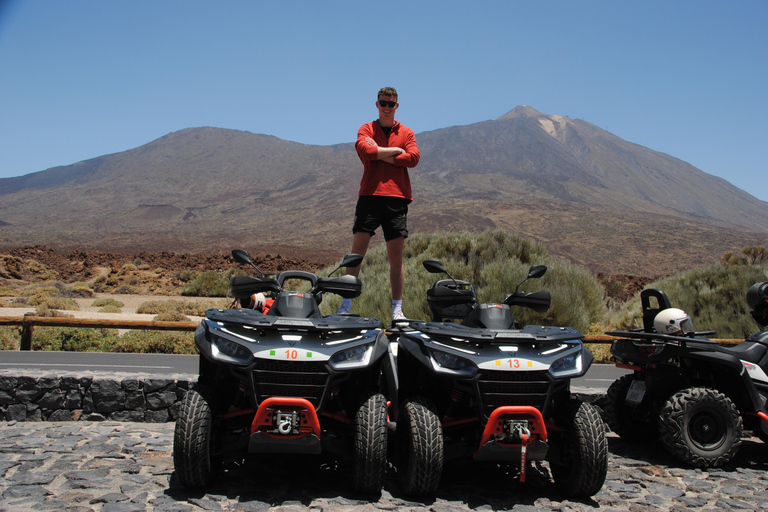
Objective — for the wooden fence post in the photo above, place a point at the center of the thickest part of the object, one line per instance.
(26, 336)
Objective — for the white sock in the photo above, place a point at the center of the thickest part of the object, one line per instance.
(346, 304)
(397, 305)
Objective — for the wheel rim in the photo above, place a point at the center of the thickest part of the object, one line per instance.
(707, 429)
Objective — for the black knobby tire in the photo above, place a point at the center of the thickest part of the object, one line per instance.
(370, 454)
(583, 463)
(620, 417)
(420, 447)
(193, 460)
(701, 426)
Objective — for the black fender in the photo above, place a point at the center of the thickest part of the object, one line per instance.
(730, 360)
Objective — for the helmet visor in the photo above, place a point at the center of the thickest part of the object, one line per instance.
(686, 326)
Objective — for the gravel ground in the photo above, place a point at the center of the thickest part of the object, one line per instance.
(114, 467)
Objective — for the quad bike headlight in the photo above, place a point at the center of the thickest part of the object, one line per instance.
(353, 357)
(566, 366)
(230, 350)
(448, 363)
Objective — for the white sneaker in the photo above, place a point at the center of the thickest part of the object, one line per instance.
(398, 316)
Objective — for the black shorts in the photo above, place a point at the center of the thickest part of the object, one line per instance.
(388, 212)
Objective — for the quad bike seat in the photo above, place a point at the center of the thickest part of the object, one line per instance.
(750, 351)
(654, 301)
(754, 350)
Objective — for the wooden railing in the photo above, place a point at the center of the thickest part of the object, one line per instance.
(28, 323)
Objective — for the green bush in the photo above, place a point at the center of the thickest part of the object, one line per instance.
(494, 262)
(110, 308)
(714, 297)
(74, 339)
(156, 342)
(10, 337)
(107, 302)
(184, 307)
(208, 284)
(171, 316)
(53, 302)
(186, 276)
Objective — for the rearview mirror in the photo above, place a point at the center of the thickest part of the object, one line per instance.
(434, 267)
(241, 256)
(352, 260)
(537, 271)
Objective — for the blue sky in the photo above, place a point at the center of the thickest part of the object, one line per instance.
(80, 79)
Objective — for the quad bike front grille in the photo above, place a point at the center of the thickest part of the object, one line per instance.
(290, 379)
(498, 388)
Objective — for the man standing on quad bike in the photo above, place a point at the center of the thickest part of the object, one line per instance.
(387, 149)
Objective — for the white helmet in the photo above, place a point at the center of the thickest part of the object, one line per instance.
(673, 321)
(257, 301)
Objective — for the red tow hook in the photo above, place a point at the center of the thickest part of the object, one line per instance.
(523, 459)
(528, 423)
(266, 416)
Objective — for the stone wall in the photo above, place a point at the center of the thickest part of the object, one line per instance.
(92, 397)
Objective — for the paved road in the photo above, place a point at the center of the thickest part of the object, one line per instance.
(598, 377)
(76, 362)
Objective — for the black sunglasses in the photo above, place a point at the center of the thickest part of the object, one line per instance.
(385, 103)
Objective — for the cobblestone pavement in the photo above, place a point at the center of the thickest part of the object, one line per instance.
(116, 467)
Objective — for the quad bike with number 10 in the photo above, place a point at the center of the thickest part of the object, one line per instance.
(290, 381)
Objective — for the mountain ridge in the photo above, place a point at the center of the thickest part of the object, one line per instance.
(589, 195)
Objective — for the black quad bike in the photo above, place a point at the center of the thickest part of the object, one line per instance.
(490, 390)
(290, 381)
(690, 392)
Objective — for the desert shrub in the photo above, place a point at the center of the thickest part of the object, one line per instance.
(156, 342)
(601, 352)
(53, 302)
(42, 271)
(10, 337)
(208, 284)
(59, 289)
(8, 291)
(186, 276)
(714, 297)
(747, 256)
(46, 311)
(184, 307)
(110, 308)
(80, 289)
(73, 339)
(494, 262)
(17, 302)
(125, 289)
(171, 316)
(107, 302)
(46, 289)
(127, 268)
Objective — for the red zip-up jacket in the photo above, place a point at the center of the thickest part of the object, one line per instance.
(381, 178)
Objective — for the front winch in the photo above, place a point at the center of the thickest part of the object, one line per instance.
(286, 416)
(287, 423)
(514, 431)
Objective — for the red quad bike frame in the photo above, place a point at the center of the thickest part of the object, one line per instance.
(535, 430)
(276, 422)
